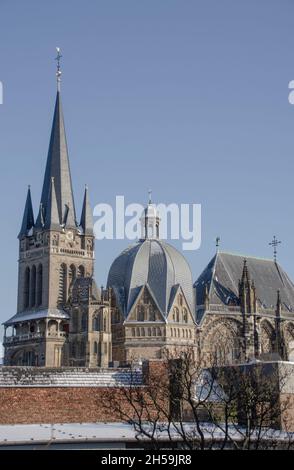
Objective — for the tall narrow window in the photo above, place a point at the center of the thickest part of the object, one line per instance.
(27, 288)
(140, 312)
(39, 285)
(95, 322)
(81, 271)
(71, 274)
(152, 313)
(62, 284)
(33, 287)
(84, 321)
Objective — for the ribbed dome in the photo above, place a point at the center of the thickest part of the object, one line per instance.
(155, 263)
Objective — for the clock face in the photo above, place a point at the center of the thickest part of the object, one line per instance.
(69, 235)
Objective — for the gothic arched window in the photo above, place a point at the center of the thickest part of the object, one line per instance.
(185, 315)
(27, 288)
(75, 320)
(95, 347)
(176, 314)
(33, 287)
(96, 322)
(62, 283)
(152, 313)
(84, 321)
(81, 271)
(39, 285)
(72, 274)
(140, 313)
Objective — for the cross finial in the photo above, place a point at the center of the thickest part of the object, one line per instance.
(150, 196)
(274, 243)
(58, 71)
(217, 242)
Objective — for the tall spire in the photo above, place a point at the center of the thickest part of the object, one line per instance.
(52, 221)
(58, 167)
(28, 216)
(86, 217)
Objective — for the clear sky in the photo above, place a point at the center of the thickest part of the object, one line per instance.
(188, 97)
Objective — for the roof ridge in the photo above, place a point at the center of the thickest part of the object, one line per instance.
(242, 255)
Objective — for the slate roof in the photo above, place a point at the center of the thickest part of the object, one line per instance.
(155, 263)
(36, 315)
(57, 167)
(20, 376)
(224, 271)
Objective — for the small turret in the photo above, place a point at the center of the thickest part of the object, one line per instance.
(86, 218)
(247, 293)
(52, 221)
(28, 216)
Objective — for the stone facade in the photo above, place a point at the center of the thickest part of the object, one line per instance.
(243, 309)
(57, 296)
(146, 335)
(243, 326)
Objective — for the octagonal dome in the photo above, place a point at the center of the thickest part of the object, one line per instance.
(155, 263)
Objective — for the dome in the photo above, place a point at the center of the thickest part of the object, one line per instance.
(155, 263)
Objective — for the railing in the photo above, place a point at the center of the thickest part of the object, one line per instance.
(24, 337)
(30, 336)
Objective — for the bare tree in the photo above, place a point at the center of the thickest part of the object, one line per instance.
(186, 404)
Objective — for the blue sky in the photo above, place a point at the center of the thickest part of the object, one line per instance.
(188, 97)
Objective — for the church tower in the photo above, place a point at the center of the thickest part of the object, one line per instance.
(54, 250)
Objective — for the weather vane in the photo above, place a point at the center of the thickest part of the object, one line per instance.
(58, 72)
(274, 243)
(150, 196)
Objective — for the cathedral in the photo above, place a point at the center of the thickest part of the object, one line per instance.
(239, 309)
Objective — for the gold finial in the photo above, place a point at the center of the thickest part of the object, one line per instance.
(58, 72)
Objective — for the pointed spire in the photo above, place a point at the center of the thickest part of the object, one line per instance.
(52, 221)
(245, 274)
(86, 217)
(58, 167)
(247, 292)
(28, 216)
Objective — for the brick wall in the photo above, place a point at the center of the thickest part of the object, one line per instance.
(19, 405)
(29, 403)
